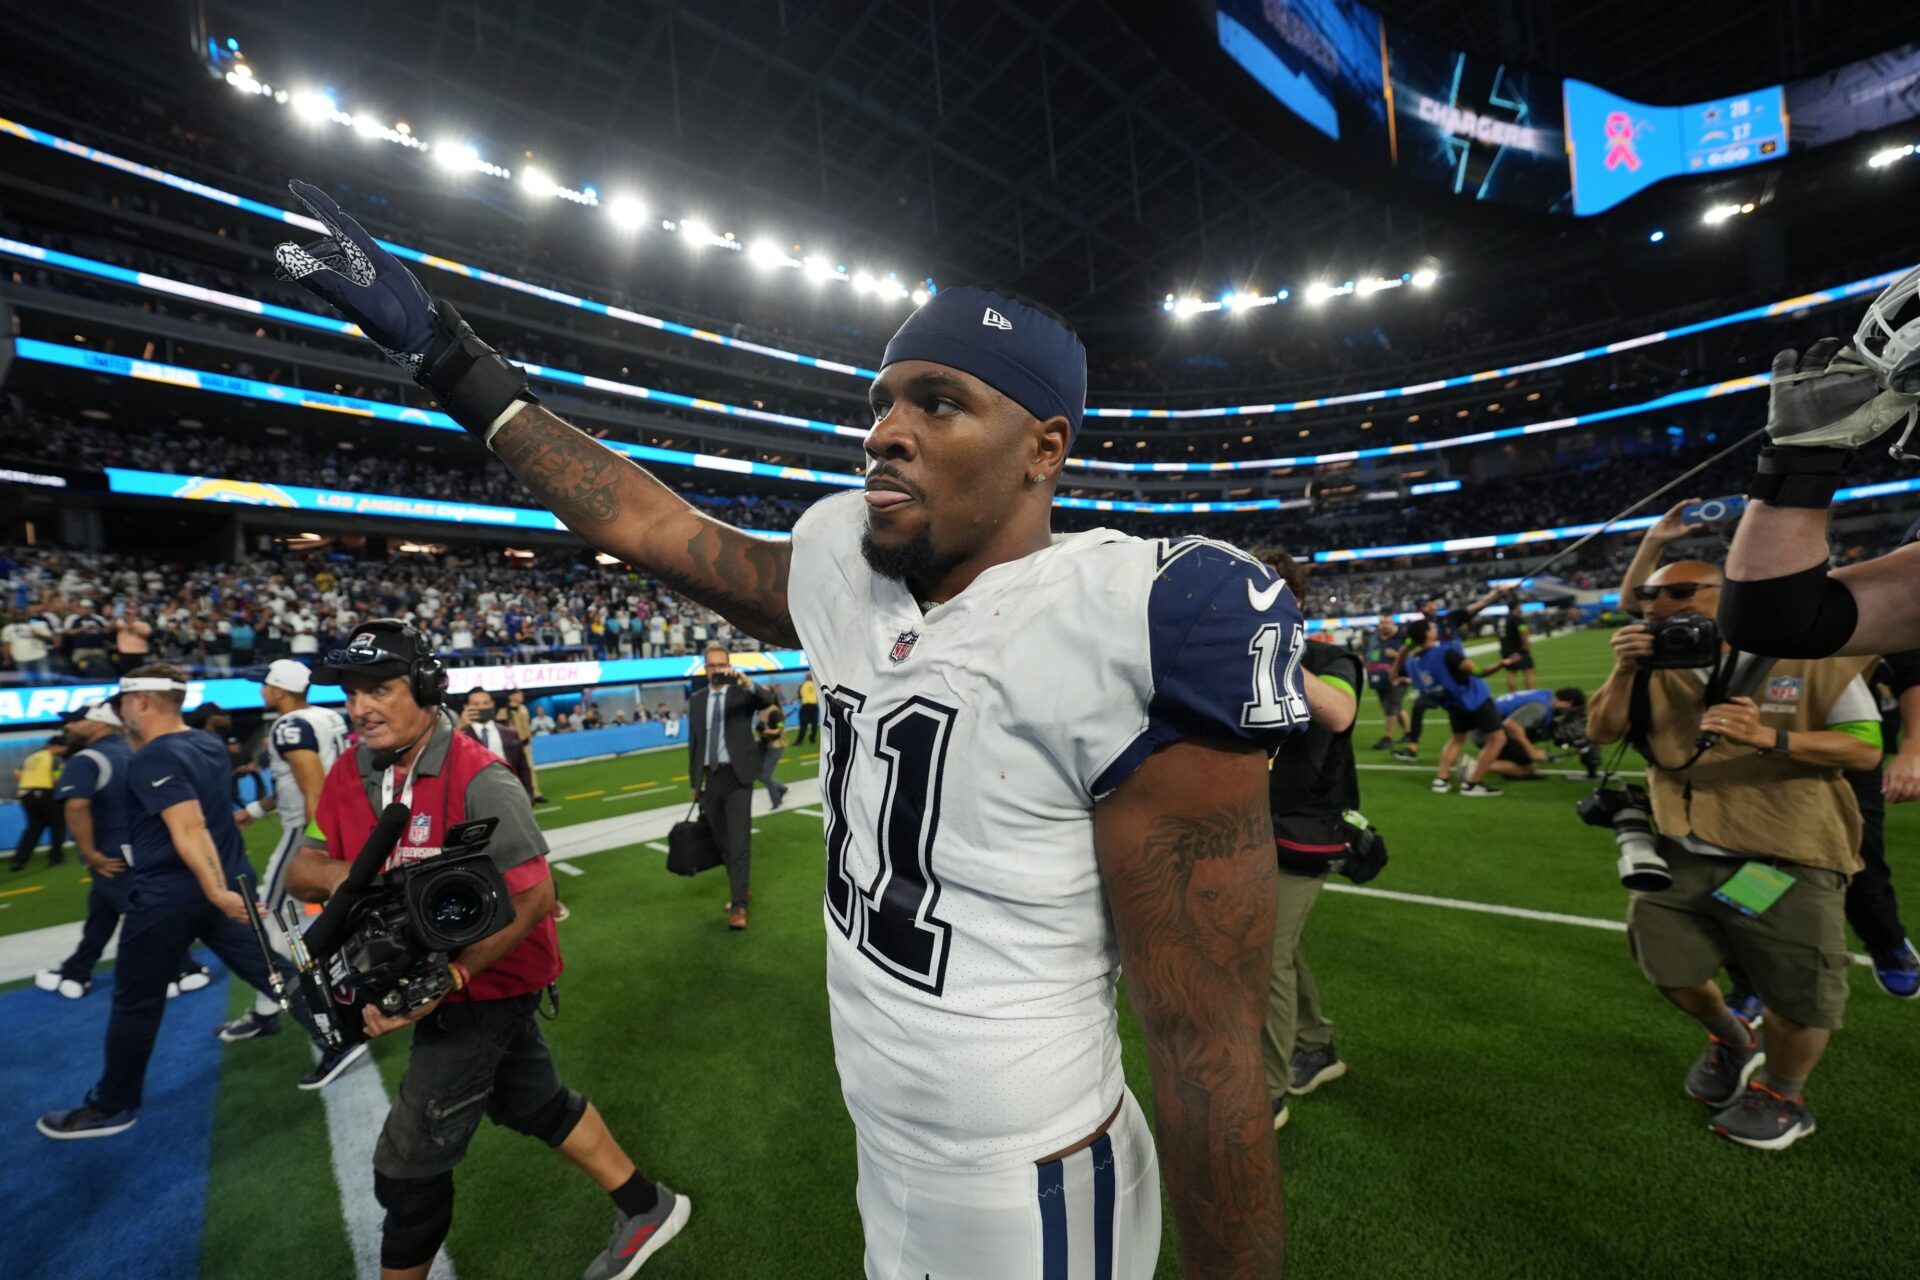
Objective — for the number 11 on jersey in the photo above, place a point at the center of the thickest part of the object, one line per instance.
(1277, 697)
(890, 919)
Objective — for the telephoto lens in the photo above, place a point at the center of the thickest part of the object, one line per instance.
(1641, 866)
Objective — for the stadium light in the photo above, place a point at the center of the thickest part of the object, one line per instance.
(1424, 278)
(311, 104)
(920, 297)
(765, 253)
(1892, 155)
(1656, 237)
(1722, 212)
(627, 212)
(537, 183)
(1319, 291)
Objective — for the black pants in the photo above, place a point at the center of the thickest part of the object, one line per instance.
(45, 817)
(107, 901)
(153, 944)
(1419, 716)
(1872, 908)
(726, 805)
(809, 723)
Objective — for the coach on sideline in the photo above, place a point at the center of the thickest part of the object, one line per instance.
(477, 1051)
(1755, 814)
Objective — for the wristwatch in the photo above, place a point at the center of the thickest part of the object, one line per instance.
(1779, 747)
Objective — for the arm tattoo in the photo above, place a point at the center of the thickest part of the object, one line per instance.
(1194, 907)
(617, 506)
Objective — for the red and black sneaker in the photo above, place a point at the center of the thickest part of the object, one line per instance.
(1722, 1072)
(1764, 1119)
(637, 1237)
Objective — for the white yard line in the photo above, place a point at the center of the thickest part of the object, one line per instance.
(356, 1106)
(567, 868)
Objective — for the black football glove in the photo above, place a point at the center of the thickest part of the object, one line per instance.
(1821, 407)
(349, 271)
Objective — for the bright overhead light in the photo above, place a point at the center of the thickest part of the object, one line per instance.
(311, 104)
(1656, 237)
(697, 233)
(537, 183)
(820, 269)
(627, 212)
(368, 126)
(1881, 159)
(1319, 291)
(768, 253)
(456, 155)
(1721, 212)
(920, 297)
(1424, 278)
(862, 282)
(1187, 307)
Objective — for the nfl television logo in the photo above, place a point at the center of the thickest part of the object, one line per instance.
(902, 646)
(1783, 689)
(419, 828)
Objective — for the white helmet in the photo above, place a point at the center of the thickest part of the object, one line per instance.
(1888, 339)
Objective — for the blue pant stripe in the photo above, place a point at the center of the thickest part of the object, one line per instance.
(1053, 1221)
(1103, 1208)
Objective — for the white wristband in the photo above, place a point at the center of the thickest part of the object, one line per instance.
(505, 417)
(254, 810)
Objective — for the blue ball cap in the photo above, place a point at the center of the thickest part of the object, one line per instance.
(1028, 355)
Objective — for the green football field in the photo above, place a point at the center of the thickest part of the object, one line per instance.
(1513, 1108)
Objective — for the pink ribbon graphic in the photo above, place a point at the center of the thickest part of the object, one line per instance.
(1620, 134)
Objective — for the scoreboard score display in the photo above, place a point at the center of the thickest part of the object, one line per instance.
(1620, 147)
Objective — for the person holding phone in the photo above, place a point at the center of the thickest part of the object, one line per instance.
(723, 751)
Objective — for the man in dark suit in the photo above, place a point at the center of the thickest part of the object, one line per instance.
(723, 760)
(479, 719)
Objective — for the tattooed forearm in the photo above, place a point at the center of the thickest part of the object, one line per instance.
(1190, 873)
(617, 506)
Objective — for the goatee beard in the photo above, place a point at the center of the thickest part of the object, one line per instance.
(912, 559)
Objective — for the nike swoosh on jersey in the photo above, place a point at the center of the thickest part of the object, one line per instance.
(1263, 600)
(161, 781)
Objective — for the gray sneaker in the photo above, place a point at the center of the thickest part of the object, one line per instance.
(1764, 1119)
(1723, 1070)
(1314, 1067)
(638, 1237)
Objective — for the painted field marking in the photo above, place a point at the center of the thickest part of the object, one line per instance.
(585, 795)
(567, 868)
(14, 893)
(638, 786)
(660, 845)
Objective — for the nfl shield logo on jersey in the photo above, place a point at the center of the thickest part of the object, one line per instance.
(420, 827)
(902, 646)
(1783, 689)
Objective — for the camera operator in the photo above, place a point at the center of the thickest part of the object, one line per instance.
(185, 853)
(1446, 677)
(1528, 715)
(477, 1050)
(723, 754)
(1312, 791)
(1759, 835)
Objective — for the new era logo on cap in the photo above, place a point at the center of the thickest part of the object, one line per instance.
(995, 320)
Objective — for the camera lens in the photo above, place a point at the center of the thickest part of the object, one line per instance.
(454, 906)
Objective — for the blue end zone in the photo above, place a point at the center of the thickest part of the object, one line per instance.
(106, 1207)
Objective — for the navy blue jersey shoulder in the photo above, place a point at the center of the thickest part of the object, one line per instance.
(1225, 638)
(294, 733)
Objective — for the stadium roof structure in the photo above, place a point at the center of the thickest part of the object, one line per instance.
(1054, 146)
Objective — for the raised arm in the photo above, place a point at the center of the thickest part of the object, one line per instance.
(1186, 849)
(618, 507)
(600, 494)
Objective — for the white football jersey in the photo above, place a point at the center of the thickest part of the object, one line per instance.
(317, 729)
(971, 959)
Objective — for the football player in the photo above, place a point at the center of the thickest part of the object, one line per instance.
(302, 745)
(1045, 757)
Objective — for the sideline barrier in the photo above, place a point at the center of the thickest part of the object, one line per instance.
(22, 707)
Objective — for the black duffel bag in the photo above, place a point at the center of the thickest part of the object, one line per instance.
(690, 846)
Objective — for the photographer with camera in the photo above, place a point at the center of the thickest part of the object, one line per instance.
(1528, 716)
(1752, 839)
(1382, 656)
(723, 758)
(1314, 794)
(477, 1047)
(1448, 627)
